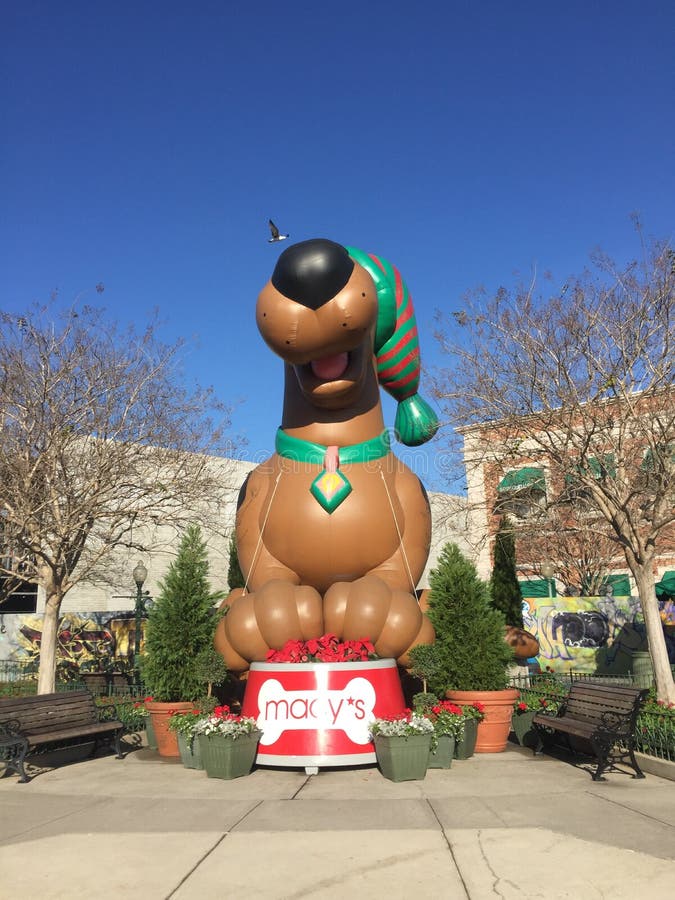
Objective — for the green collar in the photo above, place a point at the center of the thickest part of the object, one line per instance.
(308, 452)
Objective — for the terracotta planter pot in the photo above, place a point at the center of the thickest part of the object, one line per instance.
(160, 713)
(493, 731)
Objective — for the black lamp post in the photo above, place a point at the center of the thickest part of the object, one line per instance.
(140, 573)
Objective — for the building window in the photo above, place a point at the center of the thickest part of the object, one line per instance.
(656, 465)
(22, 600)
(522, 493)
(598, 467)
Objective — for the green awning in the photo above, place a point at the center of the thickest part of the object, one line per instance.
(528, 478)
(666, 587)
(602, 466)
(538, 587)
(597, 466)
(647, 464)
(620, 585)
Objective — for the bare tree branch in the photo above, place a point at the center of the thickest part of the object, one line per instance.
(581, 385)
(101, 440)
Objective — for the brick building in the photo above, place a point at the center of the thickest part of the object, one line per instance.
(542, 472)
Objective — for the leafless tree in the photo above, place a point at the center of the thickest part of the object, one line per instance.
(582, 547)
(580, 383)
(101, 440)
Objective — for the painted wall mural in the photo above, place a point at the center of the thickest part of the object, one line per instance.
(96, 640)
(590, 634)
(583, 634)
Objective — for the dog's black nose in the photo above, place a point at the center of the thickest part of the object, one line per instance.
(312, 272)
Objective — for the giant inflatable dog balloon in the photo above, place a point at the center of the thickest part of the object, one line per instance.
(333, 530)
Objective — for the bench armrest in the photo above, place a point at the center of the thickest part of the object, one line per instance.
(614, 723)
(10, 728)
(107, 713)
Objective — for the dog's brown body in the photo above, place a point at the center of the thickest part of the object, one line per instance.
(351, 571)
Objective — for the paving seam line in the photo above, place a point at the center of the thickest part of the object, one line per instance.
(630, 809)
(42, 822)
(450, 849)
(211, 849)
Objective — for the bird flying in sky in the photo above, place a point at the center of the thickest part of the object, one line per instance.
(275, 233)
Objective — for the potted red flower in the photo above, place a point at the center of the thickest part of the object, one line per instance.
(227, 743)
(315, 698)
(527, 706)
(326, 649)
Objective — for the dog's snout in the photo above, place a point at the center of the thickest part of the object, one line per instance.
(312, 272)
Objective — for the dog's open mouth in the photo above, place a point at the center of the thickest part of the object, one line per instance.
(330, 368)
(331, 381)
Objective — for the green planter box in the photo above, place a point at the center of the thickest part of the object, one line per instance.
(403, 758)
(464, 748)
(441, 757)
(150, 734)
(522, 727)
(190, 752)
(226, 757)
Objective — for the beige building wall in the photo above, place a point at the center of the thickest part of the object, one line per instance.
(121, 592)
(450, 522)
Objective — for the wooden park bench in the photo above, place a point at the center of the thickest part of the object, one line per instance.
(45, 721)
(603, 715)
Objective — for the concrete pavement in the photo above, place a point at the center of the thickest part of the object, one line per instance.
(506, 825)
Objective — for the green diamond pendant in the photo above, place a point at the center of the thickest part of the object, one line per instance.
(329, 489)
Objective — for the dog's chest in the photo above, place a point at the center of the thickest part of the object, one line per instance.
(323, 547)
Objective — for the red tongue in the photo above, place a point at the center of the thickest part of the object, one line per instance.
(330, 367)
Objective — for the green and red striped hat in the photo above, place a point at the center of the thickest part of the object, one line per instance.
(397, 350)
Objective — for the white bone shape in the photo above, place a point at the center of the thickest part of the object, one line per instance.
(349, 709)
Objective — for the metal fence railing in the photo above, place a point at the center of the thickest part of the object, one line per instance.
(542, 679)
(13, 670)
(17, 678)
(655, 733)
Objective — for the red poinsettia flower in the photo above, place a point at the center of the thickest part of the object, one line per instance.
(324, 649)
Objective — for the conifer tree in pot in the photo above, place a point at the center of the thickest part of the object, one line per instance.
(471, 654)
(504, 585)
(506, 595)
(180, 627)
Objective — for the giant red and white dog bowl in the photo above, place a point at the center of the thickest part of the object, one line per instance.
(318, 714)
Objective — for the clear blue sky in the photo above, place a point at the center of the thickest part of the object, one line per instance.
(144, 145)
